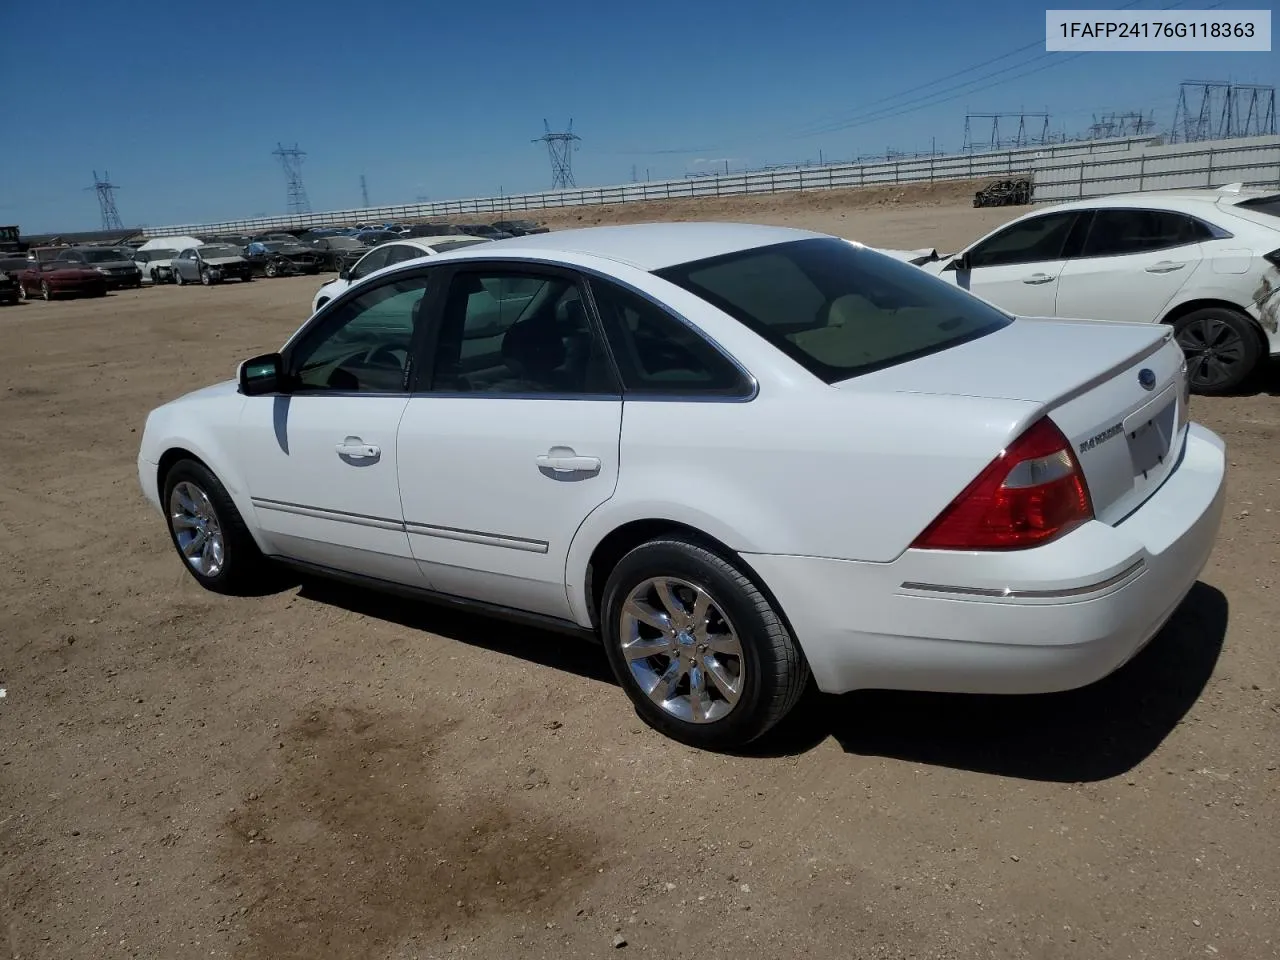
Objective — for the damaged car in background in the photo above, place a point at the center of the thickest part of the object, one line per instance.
(1205, 262)
(281, 258)
(210, 263)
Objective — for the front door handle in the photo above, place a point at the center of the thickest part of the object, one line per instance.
(568, 463)
(1038, 278)
(1165, 266)
(353, 448)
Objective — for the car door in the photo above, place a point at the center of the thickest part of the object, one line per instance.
(1017, 267)
(1132, 263)
(182, 264)
(320, 459)
(513, 439)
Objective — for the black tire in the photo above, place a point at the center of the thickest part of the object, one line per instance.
(244, 569)
(206, 278)
(1223, 348)
(270, 270)
(773, 670)
(46, 293)
(22, 293)
(178, 279)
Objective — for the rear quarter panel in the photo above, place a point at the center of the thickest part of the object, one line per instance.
(820, 472)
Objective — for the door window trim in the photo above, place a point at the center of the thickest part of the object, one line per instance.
(423, 381)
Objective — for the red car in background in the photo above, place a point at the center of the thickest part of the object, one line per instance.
(49, 277)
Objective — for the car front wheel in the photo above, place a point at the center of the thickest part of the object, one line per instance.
(208, 531)
(1222, 347)
(699, 649)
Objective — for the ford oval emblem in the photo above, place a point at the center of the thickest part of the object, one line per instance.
(1147, 378)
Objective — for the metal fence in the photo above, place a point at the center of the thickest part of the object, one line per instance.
(966, 166)
(1253, 161)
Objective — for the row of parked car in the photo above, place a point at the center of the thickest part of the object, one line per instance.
(88, 271)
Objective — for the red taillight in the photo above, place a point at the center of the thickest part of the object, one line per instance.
(1032, 493)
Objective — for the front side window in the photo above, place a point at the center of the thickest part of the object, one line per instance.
(504, 332)
(659, 354)
(836, 308)
(374, 261)
(1036, 240)
(365, 345)
(1115, 233)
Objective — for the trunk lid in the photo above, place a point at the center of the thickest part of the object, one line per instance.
(1116, 390)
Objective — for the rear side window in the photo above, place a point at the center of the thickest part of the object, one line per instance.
(836, 308)
(1115, 233)
(658, 354)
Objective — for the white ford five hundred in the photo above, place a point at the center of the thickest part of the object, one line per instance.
(738, 455)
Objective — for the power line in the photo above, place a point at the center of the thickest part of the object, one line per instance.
(295, 193)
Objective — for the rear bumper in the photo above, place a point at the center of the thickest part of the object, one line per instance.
(1033, 621)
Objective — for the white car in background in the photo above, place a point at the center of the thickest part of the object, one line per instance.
(154, 258)
(738, 455)
(1207, 262)
(386, 255)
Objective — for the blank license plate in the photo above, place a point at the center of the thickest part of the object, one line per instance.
(1149, 443)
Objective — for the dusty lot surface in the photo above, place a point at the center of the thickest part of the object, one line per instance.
(324, 773)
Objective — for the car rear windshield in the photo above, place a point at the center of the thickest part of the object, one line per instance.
(1269, 205)
(837, 308)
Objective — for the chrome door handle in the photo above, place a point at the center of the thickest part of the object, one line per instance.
(353, 448)
(569, 464)
(1165, 266)
(1038, 278)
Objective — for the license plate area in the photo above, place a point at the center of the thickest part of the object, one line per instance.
(1150, 438)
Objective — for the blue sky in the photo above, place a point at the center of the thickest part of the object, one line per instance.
(441, 99)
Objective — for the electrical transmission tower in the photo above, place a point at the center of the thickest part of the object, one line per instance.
(1131, 124)
(560, 147)
(291, 160)
(1225, 110)
(364, 191)
(995, 141)
(106, 201)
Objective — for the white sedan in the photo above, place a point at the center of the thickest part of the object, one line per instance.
(738, 455)
(1206, 262)
(386, 255)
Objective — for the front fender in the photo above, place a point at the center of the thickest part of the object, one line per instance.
(205, 429)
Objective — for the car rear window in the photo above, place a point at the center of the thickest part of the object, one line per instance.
(837, 308)
(1269, 205)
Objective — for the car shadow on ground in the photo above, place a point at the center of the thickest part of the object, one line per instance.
(544, 647)
(1093, 733)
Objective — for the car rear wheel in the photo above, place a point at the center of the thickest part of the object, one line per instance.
(696, 645)
(209, 533)
(270, 270)
(1222, 347)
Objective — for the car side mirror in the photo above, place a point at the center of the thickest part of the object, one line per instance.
(344, 274)
(960, 262)
(261, 375)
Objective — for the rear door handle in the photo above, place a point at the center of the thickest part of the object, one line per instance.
(353, 448)
(1165, 266)
(1038, 278)
(569, 463)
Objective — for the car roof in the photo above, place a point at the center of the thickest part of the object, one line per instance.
(426, 243)
(1186, 200)
(648, 246)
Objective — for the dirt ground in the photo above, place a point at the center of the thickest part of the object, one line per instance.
(327, 773)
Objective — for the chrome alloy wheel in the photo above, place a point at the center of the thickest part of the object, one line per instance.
(196, 528)
(682, 650)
